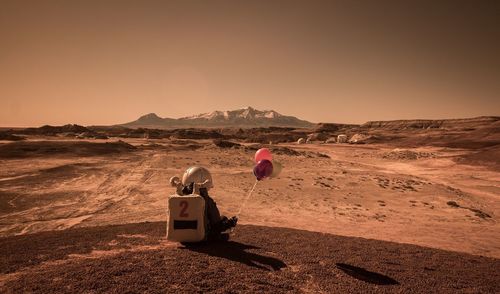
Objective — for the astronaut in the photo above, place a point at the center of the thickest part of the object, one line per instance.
(198, 180)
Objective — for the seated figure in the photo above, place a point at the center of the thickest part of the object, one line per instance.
(198, 181)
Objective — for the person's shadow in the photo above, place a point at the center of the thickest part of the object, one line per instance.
(236, 252)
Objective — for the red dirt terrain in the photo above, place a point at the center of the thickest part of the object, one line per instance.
(408, 206)
(137, 258)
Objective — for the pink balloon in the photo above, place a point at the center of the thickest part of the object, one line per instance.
(263, 154)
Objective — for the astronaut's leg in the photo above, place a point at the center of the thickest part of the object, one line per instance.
(218, 230)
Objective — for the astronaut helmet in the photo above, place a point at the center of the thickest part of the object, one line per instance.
(198, 175)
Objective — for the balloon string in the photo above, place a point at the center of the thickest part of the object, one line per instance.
(246, 199)
(244, 203)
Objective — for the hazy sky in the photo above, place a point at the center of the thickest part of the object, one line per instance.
(107, 62)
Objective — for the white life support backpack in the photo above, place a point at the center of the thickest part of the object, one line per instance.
(186, 220)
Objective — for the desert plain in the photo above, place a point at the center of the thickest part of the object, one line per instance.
(407, 210)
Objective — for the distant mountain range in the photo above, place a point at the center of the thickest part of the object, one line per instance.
(241, 118)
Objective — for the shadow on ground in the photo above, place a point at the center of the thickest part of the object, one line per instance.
(235, 251)
(367, 276)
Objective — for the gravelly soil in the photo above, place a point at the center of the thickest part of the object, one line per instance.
(136, 258)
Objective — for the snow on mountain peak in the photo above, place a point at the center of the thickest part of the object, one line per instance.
(245, 113)
(248, 116)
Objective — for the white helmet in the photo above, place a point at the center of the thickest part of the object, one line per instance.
(198, 175)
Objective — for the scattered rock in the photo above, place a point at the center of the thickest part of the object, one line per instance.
(342, 139)
(317, 136)
(331, 140)
(359, 139)
(404, 154)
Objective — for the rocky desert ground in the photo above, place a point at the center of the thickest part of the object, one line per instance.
(406, 207)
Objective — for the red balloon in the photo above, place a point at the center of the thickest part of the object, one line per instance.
(263, 153)
(263, 169)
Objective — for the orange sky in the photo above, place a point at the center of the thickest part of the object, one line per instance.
(108, 62)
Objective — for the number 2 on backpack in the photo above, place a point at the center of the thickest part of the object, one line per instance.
(184, 206)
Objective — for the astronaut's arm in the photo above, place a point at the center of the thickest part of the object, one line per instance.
(213, 212)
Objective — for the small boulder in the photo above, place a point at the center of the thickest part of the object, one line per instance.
(331, 140)
(341, 139)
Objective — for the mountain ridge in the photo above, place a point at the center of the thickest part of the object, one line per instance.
(474, 122)
(248, 117)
